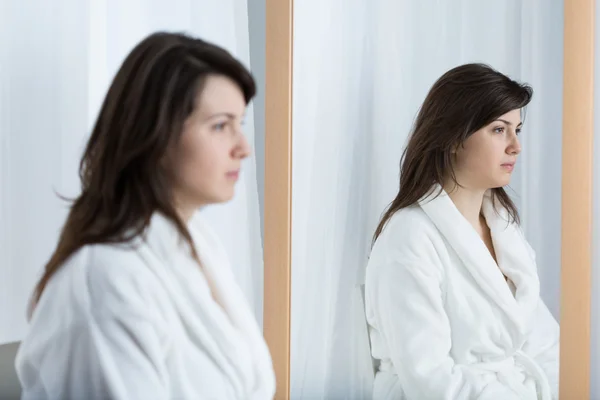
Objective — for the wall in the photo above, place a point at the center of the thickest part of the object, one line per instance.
(9, 383)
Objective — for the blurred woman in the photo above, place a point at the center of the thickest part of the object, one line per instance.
(138, 302)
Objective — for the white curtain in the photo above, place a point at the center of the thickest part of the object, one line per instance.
(56, 62)
(361, 70)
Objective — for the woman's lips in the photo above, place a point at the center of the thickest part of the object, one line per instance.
(233, 175)
(508, 166)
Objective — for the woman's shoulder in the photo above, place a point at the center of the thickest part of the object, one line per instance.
(100, 290)
(408, 227)
(104, 278)
(409, 240)
(118, 267)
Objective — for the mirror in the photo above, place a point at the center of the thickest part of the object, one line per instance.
(360, 74)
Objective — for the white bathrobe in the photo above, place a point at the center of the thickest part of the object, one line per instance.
(444, 322)
(123, 323)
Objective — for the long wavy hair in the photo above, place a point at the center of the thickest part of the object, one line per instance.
(123, 179)
(462, 101)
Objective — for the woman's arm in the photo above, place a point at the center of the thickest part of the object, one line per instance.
(408, 306)
(543, 344)
(543, 341)
(104, 357)
(110, 346)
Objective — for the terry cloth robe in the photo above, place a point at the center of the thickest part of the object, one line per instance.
(444, 321)
(140, 322)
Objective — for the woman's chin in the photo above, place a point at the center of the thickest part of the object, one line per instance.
(225, 196)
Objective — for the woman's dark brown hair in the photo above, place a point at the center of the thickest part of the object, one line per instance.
(462, 101)
(123, 181)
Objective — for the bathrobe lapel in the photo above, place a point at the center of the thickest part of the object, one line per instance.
(512, 253)
(218, 328)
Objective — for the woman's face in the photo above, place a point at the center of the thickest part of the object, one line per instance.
(206, 161)
(487, 158)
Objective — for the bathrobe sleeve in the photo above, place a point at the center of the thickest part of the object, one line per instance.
(116, 356)
(543, 341)
(417, 330)
(113, 350)
(543, 345)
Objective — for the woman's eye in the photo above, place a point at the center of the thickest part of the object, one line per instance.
(518, 131)
(499, 129)
(219, 127)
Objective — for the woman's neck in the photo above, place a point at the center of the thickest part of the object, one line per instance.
(186, 209)
(468, 202)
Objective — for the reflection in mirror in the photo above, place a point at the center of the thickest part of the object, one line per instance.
(452, 290)
(452, 286)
